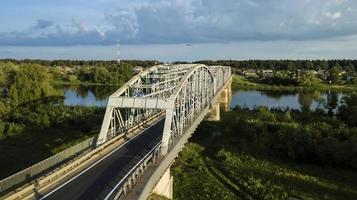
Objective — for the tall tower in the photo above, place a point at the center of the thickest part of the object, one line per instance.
(118, 53)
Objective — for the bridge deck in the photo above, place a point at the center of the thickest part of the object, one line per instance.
(98, 181)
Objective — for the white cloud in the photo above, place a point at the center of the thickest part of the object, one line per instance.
(199, 21)
(333, 16)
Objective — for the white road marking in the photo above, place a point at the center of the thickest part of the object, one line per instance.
(48, 194)
(127, 174)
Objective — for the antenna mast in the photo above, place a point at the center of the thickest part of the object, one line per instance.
(118, 53)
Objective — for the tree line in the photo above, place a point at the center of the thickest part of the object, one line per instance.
(73, 63)
(290, 65)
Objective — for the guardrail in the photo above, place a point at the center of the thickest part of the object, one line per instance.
(126, 183)
(29, 173)
(38, 168)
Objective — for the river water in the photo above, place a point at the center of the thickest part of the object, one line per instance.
(98, 96)
(282, 99)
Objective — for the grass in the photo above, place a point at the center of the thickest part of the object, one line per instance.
(216, 165)
(232, 175)
(240, 82)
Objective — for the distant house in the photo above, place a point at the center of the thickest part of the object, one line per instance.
(323, 74)
(267, 73)
(249, 73)
(137, 69)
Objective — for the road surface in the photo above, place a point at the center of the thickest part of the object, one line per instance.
(98, 181)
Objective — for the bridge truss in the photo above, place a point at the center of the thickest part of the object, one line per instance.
(179, 92)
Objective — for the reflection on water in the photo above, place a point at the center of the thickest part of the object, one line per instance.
(294, 100)
(87, 95)
(328, 101)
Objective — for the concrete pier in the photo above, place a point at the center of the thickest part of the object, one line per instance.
(223, 102)
(165, 185)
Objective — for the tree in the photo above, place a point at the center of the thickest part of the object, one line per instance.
(305, 100)
(348, 110)
(350, 69)
(7, 71)
(324, 65)
(30, 82)
(309, 65)
(335, 73)
(102, 75)
(307, 78)
(126, 72)
(291, 67)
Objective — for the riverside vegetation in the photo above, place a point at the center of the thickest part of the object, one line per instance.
(34, 121)
(272, 154)
(308, 84)
(293, 75)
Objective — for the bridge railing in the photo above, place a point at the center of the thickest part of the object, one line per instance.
(38, 168)
(123, 186)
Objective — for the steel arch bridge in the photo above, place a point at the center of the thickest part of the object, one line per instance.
(177, 92)
(146, 124)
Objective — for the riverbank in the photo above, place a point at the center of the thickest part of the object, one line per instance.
(240, 82)
(274, 155)
(79, 83)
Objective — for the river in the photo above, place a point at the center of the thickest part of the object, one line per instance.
(98, 96)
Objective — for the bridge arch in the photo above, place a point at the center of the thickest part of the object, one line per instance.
(182, 91)
(145, 95)
(193, 93)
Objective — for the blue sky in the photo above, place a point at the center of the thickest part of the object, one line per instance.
(254, 29)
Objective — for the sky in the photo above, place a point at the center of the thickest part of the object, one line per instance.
(172, 30)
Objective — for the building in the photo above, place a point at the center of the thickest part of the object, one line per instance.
(323, 74)
(249, 73)
(267, 73)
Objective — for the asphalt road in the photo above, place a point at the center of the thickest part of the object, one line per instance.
(98, 181)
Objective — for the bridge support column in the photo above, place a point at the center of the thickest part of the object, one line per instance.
(214, 115)
(224, 100)
(165, 186)
(226, 97)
